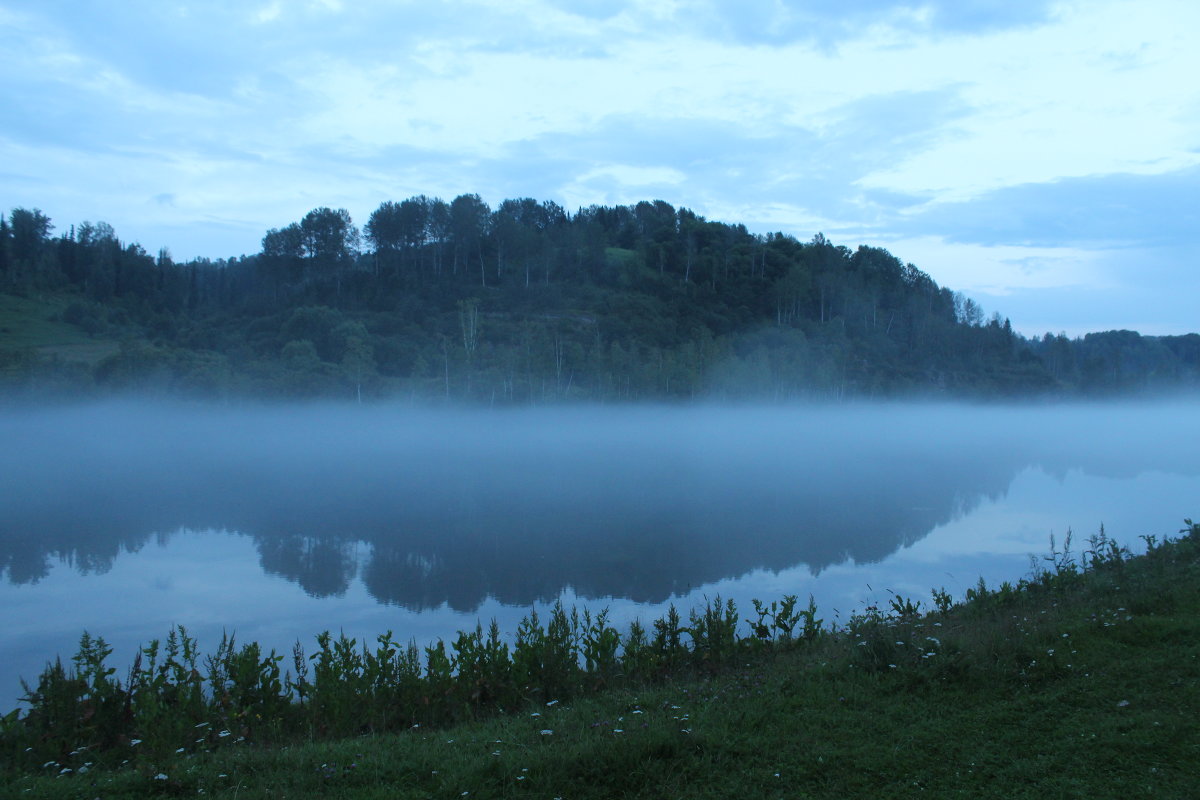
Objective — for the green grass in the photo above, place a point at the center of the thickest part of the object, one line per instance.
(1081, 681)
(37, 324)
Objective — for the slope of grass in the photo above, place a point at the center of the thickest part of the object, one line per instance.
(36, 323)
(1081, 681)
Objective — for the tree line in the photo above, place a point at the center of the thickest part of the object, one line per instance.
(529, 303)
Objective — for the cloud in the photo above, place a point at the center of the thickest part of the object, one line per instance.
(269, 13)
(1104, 210)
(829, 23)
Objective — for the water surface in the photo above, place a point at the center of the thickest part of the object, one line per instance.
(277, 523)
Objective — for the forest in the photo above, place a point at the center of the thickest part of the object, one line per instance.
(437, 301)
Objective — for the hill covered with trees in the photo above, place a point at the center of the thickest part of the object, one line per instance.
(525, 303)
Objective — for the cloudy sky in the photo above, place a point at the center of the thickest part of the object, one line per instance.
(1043, 157)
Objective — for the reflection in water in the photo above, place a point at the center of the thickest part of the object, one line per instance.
(453, 509)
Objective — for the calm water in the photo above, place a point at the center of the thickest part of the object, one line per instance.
(277, 524)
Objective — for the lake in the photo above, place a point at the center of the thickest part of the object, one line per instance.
(277, 523)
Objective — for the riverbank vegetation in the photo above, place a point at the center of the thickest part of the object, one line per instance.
(1078, 680)
(526, 303)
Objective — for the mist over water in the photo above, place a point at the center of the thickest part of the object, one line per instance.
(283, 521)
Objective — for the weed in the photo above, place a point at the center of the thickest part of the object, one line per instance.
(1103, 552)
(942, 600)
(713, 630)
(904, 607)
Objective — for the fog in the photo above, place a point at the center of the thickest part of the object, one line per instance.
(428, 509)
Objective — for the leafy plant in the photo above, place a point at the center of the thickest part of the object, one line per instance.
(713, 630)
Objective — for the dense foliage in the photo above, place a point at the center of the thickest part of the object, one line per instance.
(527, 303)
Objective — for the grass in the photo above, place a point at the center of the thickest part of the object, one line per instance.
(37, 324)
(1079, 681)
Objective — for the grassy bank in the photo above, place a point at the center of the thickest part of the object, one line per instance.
(1081, 681)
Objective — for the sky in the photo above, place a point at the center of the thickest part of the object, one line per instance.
(1041, 157)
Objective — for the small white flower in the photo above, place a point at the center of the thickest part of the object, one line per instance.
(65, 771)
(135, 741)
(180, 750)
(162, 776)
(547, 733)
(552, 703)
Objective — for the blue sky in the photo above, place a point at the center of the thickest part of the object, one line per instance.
(1042, 157)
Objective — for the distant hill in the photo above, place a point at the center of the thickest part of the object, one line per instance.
(526, 303)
